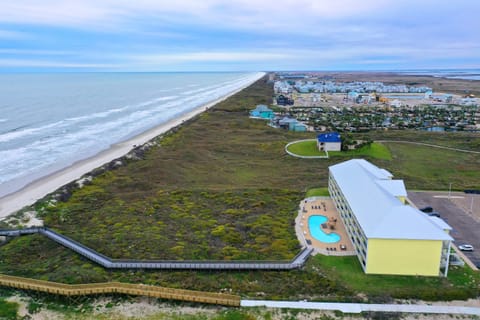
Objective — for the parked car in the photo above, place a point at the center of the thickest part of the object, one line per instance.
(465, 247)
(472, 191)
(434, 214)
(427, 209)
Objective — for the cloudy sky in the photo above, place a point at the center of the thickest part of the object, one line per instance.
(244, 35)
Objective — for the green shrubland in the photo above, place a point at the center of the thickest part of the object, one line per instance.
(222, 187)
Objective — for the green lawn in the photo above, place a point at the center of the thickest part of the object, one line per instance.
(461, 283)
(318, 192)
(306, 148)
(375, 151)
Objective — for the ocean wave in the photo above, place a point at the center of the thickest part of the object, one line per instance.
(16, 134)
(107, 113)
(93, 137)
(3, 120)
(68, 140)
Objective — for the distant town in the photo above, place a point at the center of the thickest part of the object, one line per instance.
(323, 104)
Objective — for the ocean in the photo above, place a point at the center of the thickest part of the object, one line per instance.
(50, 121)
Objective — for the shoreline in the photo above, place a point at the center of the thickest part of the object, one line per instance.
(41, 187)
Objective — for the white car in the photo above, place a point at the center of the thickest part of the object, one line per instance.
(465, 247)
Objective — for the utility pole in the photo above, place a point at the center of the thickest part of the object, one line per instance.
(471, 204)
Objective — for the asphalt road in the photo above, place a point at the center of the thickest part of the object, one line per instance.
(465, 228)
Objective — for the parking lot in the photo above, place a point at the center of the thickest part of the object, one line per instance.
(466, 226)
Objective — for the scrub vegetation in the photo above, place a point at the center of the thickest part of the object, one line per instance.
(8, 310)
(222, 187)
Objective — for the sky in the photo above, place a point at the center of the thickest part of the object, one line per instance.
(238, 35)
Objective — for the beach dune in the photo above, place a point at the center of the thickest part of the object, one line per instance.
(48, 184)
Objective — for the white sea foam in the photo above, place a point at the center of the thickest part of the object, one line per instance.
(16, 134)
(30, 150)
(118, 110)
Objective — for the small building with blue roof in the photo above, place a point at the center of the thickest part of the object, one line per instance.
(329, 141)
(262, 112)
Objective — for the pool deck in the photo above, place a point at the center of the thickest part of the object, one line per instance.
(323, 206)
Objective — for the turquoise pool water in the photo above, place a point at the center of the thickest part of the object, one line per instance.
(315, 227)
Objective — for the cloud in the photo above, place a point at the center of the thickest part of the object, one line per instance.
(54, 12)
(206, 57)
(289, 15)
(36, 63)
(282, 33)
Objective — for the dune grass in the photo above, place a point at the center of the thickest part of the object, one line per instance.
(429, 168)
(219, 187)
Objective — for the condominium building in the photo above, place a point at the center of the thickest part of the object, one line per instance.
(389, 235)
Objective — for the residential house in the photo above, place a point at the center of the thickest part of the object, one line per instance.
(396, 103)
(292, 124)
(262, 112)
(284, 101)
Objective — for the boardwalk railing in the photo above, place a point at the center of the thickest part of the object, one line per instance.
(109, 263)
(118, 287)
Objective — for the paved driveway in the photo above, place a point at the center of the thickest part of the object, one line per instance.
(465, 228)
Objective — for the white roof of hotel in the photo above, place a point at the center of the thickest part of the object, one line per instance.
(440, 222)
(371, 194)
(395, 187)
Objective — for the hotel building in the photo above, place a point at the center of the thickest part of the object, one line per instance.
(389, 235)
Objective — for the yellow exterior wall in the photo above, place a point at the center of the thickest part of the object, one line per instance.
(404, 201)
(404, 257)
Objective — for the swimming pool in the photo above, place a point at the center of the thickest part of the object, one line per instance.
(315, 227)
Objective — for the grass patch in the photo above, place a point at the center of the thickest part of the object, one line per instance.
(461, 284)
(461, 140)
(318, 192)
(8, 310)
(374, 151)
(429, 168)
(306, 148)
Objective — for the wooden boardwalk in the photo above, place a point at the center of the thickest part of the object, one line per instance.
(121, 288)
(109, 263)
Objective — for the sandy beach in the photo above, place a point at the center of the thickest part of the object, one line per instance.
(47, 184)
